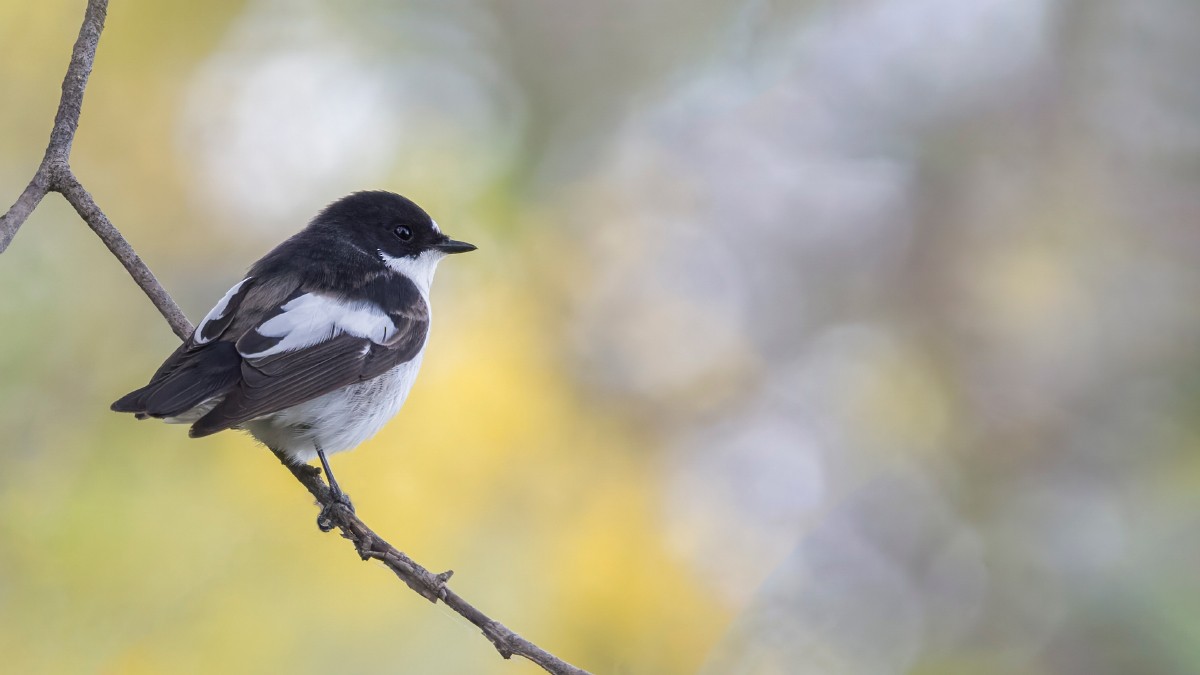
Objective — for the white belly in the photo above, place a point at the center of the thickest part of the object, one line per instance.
(339, 420)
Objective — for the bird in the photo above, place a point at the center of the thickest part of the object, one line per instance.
(318, 346)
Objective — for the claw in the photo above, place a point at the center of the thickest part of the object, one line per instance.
(325, 517)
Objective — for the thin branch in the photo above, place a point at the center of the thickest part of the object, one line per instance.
(87, 209)
(66, 122)
(429, 585)
(54, 175)
(25, 204)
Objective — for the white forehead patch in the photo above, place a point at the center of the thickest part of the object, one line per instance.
(435, 226)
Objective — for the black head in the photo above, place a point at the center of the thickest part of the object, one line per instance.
(386, 222)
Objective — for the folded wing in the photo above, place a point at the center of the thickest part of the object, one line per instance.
(267, 346)
(202, 367)
(315, 343)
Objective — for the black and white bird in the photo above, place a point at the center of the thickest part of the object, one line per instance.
(317, 348)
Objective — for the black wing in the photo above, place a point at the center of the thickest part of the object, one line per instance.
(202, 367)
(316, 344)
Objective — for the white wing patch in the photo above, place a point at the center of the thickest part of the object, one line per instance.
(311, 319)
(217, 312)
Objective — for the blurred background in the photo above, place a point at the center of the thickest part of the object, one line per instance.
(804, 337)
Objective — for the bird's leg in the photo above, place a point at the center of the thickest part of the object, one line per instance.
(323, 520)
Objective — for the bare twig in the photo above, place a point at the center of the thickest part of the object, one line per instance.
(54, 164)
(54, 175)
(431, 586)
(73, 190)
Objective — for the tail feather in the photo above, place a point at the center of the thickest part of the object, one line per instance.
(202, 428)
(185, 381)
(133, 402)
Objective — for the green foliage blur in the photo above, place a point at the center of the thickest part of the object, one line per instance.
(804, 337)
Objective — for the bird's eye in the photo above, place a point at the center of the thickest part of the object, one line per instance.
(404, 232)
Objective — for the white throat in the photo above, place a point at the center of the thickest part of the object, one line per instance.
(419, 269)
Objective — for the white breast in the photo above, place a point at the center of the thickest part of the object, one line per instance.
(341, 419)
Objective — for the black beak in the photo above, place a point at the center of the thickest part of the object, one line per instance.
(452, 246)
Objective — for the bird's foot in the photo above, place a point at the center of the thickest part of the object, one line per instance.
(340, 500)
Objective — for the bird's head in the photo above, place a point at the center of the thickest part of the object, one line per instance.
(390, 225)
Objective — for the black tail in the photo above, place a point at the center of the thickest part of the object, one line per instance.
(133, 402)
(187, 379)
